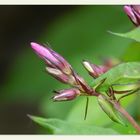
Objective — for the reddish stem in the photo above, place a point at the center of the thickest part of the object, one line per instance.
(127, 116)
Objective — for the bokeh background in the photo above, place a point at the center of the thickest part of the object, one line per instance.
(77, 33)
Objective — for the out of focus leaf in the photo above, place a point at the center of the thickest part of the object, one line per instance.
(132, 53)
(134, 34)
(121, 129)
(56, 126)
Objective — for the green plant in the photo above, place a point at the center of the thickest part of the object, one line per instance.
(109, 82)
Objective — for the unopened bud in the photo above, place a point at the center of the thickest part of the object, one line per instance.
(66, 95)
(88, 66)
(52, 58)
(93, 69)
(133, 12)
(56, 73)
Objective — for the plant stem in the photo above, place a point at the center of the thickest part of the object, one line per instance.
(127, 116)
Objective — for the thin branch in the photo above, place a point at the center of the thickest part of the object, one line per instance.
(127, 116)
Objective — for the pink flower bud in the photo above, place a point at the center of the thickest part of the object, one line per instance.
(59, 75)
(133, 12)
(66, 95)
(94, 70)
(56, 73)
(52, 58)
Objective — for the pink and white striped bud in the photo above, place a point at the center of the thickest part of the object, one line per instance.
(66, 95)
(56, 73)
(59, 75)
(52, 58)
(133, 12)
(94, 70)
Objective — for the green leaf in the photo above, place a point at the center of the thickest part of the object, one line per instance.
(132, 53)
(56, 126)
(124, 73)
(108, 108)
(134, 34)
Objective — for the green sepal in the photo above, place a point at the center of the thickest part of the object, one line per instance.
(110, 110)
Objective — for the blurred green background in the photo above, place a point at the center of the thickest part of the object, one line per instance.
(77, 33)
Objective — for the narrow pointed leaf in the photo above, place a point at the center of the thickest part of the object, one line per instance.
(134, 34)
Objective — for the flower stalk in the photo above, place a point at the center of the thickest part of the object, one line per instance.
(127, 116)
(60, 69)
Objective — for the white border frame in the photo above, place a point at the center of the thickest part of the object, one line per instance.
(66, 2)
(73, 2)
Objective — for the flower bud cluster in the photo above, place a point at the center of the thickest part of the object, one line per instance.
(60, 69)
